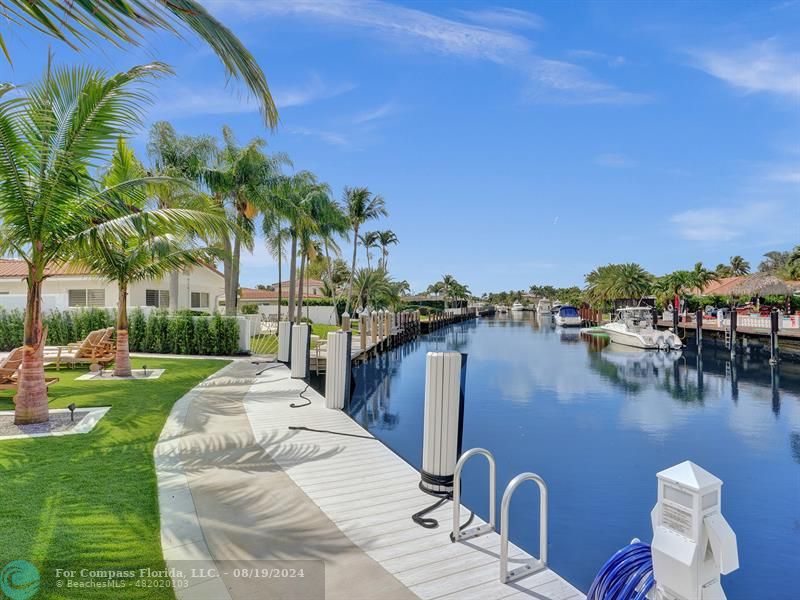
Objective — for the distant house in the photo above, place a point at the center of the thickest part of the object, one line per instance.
(312, 288)
(724, 285)
(73, 286)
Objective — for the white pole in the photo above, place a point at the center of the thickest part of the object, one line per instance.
(301, 349)
(284, 341)
(337, 369)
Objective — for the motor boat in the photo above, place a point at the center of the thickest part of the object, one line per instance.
(501, 309)
(633, 326)
(517, 307)
(543, 307)
(567, 316)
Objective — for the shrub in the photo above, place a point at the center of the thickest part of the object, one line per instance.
(202, 336)
(249, 309)
(137, 325)
(182, 333)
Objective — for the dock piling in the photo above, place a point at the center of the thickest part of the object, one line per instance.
(699, 328)
(773, 336)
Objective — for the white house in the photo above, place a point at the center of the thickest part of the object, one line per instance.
(73, 286)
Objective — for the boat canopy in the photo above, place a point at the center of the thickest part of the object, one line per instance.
(568, 311)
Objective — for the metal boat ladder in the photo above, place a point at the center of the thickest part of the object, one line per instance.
(530, 566)
(728, 338)
(465, 534)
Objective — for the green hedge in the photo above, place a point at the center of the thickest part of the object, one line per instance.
(159, 332)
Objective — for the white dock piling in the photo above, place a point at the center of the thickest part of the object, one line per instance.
(284, 341)
(337, 373)
(301, 349)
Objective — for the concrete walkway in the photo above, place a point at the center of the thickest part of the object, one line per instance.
(227, 506)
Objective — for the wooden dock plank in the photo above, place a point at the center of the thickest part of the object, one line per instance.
(370, 493)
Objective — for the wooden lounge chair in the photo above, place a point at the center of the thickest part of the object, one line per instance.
(9, 368)
(97, 350)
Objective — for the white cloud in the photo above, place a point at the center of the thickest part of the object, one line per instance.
(384, 110)
(618, 161)
(722, 224)
(553, 80)
(330, 137)
(785, 174)
(609, 59)
(504, 17)
(762, 67)
(183, 101)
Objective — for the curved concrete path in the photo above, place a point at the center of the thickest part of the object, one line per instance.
(226, 505)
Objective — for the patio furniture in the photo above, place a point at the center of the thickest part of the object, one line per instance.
(10, 365)
(97, 350)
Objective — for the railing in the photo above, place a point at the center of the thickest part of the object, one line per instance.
(465, 534)
(533, 565)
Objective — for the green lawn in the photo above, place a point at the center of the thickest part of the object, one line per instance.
(89, 501)
(268, 344)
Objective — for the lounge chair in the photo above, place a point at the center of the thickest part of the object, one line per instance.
(9, 368)
(97, 350)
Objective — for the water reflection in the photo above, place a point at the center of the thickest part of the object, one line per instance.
(597, 421)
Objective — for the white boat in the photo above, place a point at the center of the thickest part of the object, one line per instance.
(567, 316)
(633, 327)
(517, 307)
(543, 307)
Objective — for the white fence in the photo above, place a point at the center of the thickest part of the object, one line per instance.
(325, 315)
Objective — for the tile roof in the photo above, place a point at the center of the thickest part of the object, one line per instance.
(14, 268)
(726, 284)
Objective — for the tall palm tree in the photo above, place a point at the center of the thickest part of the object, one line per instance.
(385, 239)
(123, 21)
(276, 236)
(185, 157)
(373, 288)
(792, 268)
(369, 239)
(162, 245)
(774, 261)
(360, 206)
(241, 181)
(292, 197)
(48, 138)
(739, 266)
(626, 281)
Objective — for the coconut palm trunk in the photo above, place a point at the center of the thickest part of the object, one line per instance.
(352, 270)
(237, 252)
(31, 399)
(280, 286)
(227, 267)
(122, 358)
(292, 276)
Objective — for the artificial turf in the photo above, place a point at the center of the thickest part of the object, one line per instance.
(89, 501)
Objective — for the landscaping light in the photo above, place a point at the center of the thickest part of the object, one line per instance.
(72, 408)
(144, 368)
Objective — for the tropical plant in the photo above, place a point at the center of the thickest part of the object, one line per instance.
(386, 238)
(723, 270)
(185, 157)
(49, 137)
(774, 261)
(122, 21)
(700, 277)
(626, 281)
(373, 288)
(276, 236)
(360, 206)
(241, 181)
(369, 239)
(792, 268)
(739, 266)
(160, 245)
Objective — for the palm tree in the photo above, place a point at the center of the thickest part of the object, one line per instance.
(774, 261)
(385, 239)
(739, 266)
(370, 240)
(161, 246)
(48, 138)
(792, 268)
(292, 196)
(373, 288)
(627, 281)
(723, 270)
(242, 181)
(123, 21)
(360, 206)
(185, 157)
(700, 277)
(276, 236)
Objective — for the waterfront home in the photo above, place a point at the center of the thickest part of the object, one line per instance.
(70, 285)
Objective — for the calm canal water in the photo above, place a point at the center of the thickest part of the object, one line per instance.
(597, 422)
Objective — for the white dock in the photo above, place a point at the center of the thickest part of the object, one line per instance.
(369, 493)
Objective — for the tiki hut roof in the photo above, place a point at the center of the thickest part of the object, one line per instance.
(761, 284)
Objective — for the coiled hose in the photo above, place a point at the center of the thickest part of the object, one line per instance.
(628, 575)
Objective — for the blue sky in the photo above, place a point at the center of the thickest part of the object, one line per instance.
(515, 143)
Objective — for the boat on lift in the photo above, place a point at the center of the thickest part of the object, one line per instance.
(543, 307)
(567, 316)
(633, 326)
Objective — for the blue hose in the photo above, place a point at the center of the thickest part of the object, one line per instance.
(628, 575)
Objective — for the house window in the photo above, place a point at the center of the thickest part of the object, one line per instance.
(157, 298)
(199, 299)
(83, 298)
